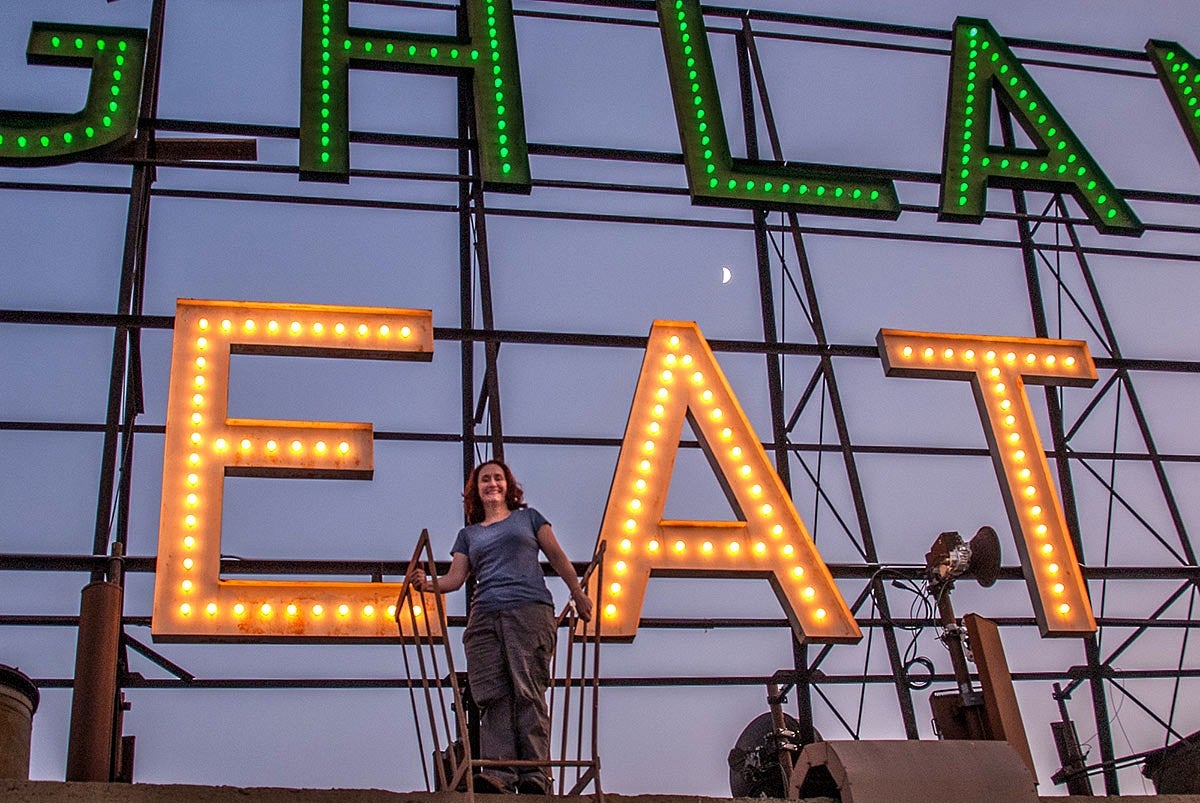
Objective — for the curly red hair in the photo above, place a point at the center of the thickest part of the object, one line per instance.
(514, 496)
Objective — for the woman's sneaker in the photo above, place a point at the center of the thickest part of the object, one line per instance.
(532, 785)
(487, 785)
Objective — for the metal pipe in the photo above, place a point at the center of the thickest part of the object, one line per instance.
(94, 703)
(953, 640)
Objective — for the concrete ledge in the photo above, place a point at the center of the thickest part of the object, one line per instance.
(59, 792)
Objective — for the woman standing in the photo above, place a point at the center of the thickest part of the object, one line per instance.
(510, 633)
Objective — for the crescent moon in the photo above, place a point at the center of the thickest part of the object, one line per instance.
(726, 275)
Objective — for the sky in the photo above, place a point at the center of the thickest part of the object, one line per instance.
(601, 86)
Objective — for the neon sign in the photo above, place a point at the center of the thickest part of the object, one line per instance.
(998, 368)
(680, 379)
(714, 176)
(330, 48)
(204, 445)
(982, 65)
(1180, 76)
(116, 57)
(981, 62)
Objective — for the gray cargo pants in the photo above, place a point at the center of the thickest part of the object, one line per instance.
(508, 668)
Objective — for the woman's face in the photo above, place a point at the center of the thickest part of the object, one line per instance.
(492, 486)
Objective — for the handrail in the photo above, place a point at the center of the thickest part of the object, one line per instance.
(427, 640)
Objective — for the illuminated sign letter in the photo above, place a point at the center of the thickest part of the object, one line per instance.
(203, 446)
(998, 368)
(1180, 76)
(116, 57)
(714, 176)
(680, 377)
(980, 63)
(330, 48)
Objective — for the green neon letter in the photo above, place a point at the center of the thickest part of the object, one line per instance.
(980, 63)
(1180, 76)
(116, 57)
(718, 179)
(330, 48)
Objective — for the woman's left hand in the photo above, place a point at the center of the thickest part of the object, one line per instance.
(583, 605)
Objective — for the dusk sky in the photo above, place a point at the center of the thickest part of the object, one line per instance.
(598, 85)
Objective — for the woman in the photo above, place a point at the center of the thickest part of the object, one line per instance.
(510, 633)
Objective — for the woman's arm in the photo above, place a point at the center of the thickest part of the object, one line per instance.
(563, 568)
(450, 581)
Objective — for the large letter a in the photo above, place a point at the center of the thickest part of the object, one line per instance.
(680, 377)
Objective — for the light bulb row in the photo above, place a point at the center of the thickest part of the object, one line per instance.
(1062, 158)
(192, 493)
(271, 446)
(337, 329)
(1028, 493)
(494, 95)
(1185, 76)
(195, 440)
(292, 610)
(733, 548)
(431, 52)
(326, 69)
(708, 547)
(972, 358)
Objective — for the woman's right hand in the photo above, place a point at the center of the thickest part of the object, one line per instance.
(441, 584)
(417, 579)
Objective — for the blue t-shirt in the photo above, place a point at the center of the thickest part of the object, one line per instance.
(504, 559)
